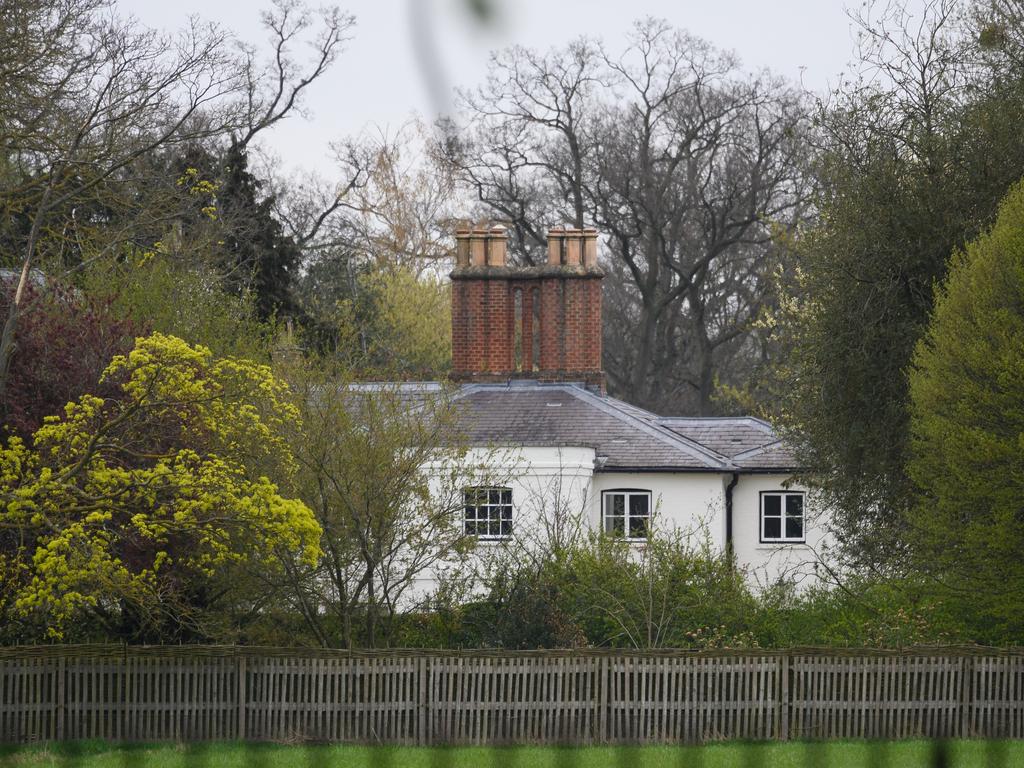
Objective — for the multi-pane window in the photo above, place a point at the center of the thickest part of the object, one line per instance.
(488, 512)
(627, 513)
(782, 516)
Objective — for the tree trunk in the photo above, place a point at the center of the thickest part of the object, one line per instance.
(7, 339)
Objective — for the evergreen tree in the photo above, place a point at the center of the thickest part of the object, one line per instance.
(261, 257)
(967, 390)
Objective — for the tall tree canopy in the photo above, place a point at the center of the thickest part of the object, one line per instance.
(967, 417)
(95, 103)
(684, 162)
(918, 147)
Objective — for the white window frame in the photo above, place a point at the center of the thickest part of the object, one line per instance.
(782, 517)
(492, 512)
(626, 516)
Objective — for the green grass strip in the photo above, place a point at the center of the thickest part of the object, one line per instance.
(837, 754)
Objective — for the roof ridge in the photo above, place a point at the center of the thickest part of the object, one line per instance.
(751, 452)
(753, 420)
(691, 447)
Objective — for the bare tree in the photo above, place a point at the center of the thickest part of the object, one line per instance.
(399, 208)
(113, 92)
(683, 162)
(384, 254)
(96, 99)
(276, 89)
(384, 468)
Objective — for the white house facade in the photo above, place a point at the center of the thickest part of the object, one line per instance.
(565, 455)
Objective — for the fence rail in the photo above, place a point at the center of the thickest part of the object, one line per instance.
(199, 693)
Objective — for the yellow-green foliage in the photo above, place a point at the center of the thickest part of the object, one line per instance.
(967, 389)
(400, 327)
(132, 498)
(415, 317)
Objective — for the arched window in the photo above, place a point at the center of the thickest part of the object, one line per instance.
(627, 513)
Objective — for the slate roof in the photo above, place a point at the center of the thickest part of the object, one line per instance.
(624, 437)
(727, 436)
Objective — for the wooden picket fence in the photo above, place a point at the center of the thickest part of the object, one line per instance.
(478, 697)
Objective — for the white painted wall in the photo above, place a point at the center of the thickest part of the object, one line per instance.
(681, 500)
(687, 501)
(555, 488)
(770, 562)
(551, 493)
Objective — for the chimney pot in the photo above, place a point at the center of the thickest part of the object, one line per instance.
(478, 247)
(573, 246)
(556, 240)
(497, 246)
(589, 247)
(462, 246)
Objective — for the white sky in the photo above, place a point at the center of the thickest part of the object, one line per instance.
(377, 81)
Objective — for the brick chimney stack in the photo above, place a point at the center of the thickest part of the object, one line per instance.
(541, 323)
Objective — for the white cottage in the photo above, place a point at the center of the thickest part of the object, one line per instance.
(527, 358)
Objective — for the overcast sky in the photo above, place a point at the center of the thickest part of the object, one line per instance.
(378, 82)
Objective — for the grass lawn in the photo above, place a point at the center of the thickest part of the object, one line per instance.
(904, 754)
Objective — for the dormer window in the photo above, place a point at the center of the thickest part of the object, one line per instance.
(627, 513)
(487, 513)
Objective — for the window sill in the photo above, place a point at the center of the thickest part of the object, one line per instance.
(777, 544)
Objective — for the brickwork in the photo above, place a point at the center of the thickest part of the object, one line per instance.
(567, 295)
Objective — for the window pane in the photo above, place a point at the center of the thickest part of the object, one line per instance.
(487, 511)
(795, 504)
(772, 527)
(614, 525)
(615, 504)
(638, 504)
(772, 505)
(638, 527)
(794, 527)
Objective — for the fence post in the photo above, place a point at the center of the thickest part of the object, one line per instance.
(966, 673)
(784, 697)
(603, 684)
(243, 693)
(421, 736)
(59, 710)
